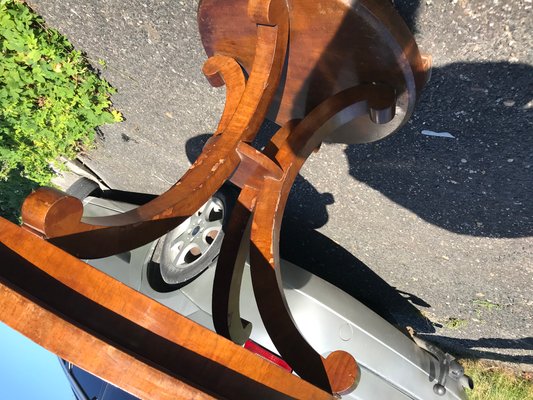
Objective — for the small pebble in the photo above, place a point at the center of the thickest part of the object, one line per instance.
(509, 103)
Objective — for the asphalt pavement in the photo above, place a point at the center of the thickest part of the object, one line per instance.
(431, 231)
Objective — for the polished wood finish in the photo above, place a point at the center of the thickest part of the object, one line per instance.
(57, 216)
(266, 225)
(219, 71)
(350, 73)
(113, 365)
(265, 195)
(234, 252)
(334, 45)
(128, 339)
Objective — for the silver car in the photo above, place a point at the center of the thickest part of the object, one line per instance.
(178, 269)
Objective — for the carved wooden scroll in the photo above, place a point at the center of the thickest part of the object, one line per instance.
(328, 84)
(58, 217)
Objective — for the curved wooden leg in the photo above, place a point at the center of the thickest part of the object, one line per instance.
(339, 372)
(265, 179)
(228, 274)
(57, 216)
(254, 167)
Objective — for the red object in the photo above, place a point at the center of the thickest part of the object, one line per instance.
(266, 354)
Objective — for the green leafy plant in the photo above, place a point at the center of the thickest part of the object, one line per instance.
(13, 190)
(51, 101)
(486, 304)
(455, 323)
(496, 383)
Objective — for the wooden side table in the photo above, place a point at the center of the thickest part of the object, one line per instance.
(325, 70)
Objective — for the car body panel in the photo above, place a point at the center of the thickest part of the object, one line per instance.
(392, 365)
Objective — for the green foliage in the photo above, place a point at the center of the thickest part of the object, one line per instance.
(50, 99)
(455, 323)
(496, 383)
(13, 191)
(487, 304)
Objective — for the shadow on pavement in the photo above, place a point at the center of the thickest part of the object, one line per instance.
(477, 183)
(470, 347)
(13, 191)
(409, 10)
(302, 245)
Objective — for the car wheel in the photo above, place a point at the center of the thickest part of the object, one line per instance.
(194, 245)
(83, 188)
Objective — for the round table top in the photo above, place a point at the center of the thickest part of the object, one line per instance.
(333, 45)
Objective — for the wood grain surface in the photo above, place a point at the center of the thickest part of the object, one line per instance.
(126, 338)
(334, 45)
(58, 217)
(351, 73)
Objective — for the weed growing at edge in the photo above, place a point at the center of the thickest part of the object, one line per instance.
(494, 383)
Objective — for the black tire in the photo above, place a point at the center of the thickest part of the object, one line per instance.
(83, 188)
(175, 267)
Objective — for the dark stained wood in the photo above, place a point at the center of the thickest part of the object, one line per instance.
(334, 45)
(128, 339)
(264, 253)
(235, 249)
(264, 193)
(249, 176)
(228, 274)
